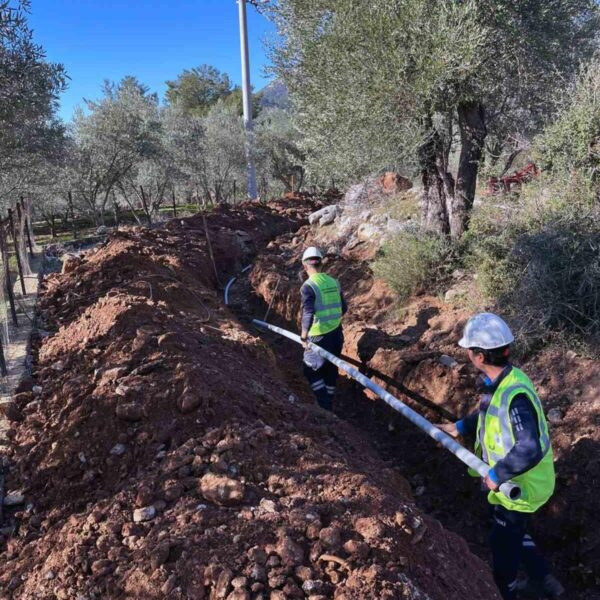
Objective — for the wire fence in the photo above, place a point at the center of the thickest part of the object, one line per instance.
(17, 250)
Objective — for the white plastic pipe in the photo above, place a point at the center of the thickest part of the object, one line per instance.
(509, 489)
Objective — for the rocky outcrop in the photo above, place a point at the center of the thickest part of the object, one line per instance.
(361, 216)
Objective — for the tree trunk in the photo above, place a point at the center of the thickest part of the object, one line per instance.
(116, 212)
(434, 201)
(471, 122)
(73, 221)
(146, 207)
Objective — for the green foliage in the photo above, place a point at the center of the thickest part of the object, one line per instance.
(370, 83)
(234, 102)
(117, 133)
(572, 142)
(413, 262)
(196, 90)
(29, 89)
(278, 148)
(540, 260)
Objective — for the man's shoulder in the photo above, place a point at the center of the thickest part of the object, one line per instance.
(306, 289)
(519, 377)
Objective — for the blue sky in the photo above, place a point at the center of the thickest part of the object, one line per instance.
(151, 39)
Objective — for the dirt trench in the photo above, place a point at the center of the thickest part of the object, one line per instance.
(162, 451)
(418, 352)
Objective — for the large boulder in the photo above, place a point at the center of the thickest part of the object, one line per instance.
(324, 216)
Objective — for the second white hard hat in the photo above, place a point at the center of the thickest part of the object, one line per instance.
(312, 252)
(486, 331)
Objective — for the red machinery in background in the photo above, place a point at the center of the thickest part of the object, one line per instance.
(496, 185)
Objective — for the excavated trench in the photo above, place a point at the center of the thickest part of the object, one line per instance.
(415, 357)
(163, 450)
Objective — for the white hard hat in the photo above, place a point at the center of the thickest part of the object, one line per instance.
(486, 331)
(312, 252)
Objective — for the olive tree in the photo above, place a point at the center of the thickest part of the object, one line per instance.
(572, 141)
(115, 134)
(279, 157)
(208, 150)
(29, 89)
(415, 82)
(196, 90)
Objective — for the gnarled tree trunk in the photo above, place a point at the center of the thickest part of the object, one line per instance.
(471, 122)
(438, 184)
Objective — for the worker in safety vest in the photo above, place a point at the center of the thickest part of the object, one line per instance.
(512, 437)
(323, 305)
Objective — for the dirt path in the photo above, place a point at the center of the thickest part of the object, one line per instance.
(15, 353)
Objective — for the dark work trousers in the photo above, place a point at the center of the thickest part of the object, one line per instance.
(511, 546)
(322, 381)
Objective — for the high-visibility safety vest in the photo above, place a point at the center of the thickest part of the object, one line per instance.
(495, 439)
(328, 304)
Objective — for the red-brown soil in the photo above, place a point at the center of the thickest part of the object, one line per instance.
(406, 347)
(157, 403)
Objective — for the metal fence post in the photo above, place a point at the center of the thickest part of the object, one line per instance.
(16, 245)
(9, 290)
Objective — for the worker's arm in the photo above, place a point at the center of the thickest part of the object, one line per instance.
(527, 451)
(467, 425)
(462, 427)
(307, 298)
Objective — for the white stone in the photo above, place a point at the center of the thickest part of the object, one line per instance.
(448, 361)
(118, 450)
(14, 499)
(324, 216)
(121, 390)
(268, 506)
(367, 232)
(555, 415)
(37, 390)
(147, 513)
(393, 226)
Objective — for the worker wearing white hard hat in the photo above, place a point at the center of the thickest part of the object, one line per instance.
(312, 252)
(323, 305)
(511, 435)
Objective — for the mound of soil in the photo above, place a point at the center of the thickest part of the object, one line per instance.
(162, 453)
(414, 354)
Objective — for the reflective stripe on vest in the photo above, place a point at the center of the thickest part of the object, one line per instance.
(507, 437)
(328, 304)
(495, 439)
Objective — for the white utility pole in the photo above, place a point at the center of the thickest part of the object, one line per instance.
(247, 99)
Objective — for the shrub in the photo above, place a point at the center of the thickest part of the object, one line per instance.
(539, 262)
(572, 142)
(414, 262)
